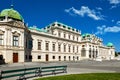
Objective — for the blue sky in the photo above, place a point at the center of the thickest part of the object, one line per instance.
(100, 17)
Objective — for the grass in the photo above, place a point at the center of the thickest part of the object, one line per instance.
(88, 76)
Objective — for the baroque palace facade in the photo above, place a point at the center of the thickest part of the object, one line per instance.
(55, 42)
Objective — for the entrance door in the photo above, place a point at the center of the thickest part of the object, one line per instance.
(15, 57)
(47, 57)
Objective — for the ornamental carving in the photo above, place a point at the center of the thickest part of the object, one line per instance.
(18, 24)
(16, 33)
(2, 32)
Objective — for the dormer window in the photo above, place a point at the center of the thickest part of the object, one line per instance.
(64, 26)
(53, 24)
(58, 24)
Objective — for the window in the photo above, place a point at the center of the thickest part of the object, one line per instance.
(69, 58)
(73, 37)
(1, 39)
(59, 34)
(73, 49)
(83, 45)
(39, 57)
(64, 58)
(89, 45)
(77, 38)
(15, 40)
(39, 45)
(69, 36)
(64, 48)
(77, 58)
(59, 58)
(47, 46)
(64, 35)
(69, 48)
(53, 57)
(30, 56)
(59, 47)
(30, 44)
(77, 49)
(53, 47)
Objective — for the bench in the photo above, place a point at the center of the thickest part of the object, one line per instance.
(18, 73)
(36, 71)
(53, 69)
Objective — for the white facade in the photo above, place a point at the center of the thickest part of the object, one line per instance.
(56, 42)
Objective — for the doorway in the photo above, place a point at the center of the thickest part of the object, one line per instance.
(15, 57)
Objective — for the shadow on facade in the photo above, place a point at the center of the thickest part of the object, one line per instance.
(2, 60)
(29, 45)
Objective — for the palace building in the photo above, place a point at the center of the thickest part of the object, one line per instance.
(55, 42)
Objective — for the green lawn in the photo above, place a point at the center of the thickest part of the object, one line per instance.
(89, 76)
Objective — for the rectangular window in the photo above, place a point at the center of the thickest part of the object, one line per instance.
(1, 39)
(69, 48)
(64, 35)
(64, 48)
(53, 57)
(30, 56)
(73, 37)
(53, 47)
(39, 45)
(30, 44)
(15, 40)
(73, 49)
(59, 47)
(47, 46)
(39, 57)
(69, 36)
(59, 34)
(77, 38)
(77, 49)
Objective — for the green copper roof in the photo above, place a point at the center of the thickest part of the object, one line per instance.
(110, 44)
(86, 35)
(37, 29)
(11, 13)
(66, 26)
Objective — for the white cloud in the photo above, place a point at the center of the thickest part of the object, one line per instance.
(100, 29)
(112, 29)
(114, 2)
(118, 23)
(99, 8)
(85, 11)
(114, 6)
(103, 29)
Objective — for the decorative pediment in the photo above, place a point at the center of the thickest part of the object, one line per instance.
(18, 24)
(2, 32)
(15, 33)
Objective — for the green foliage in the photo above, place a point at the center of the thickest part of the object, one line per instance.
(89, 76)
